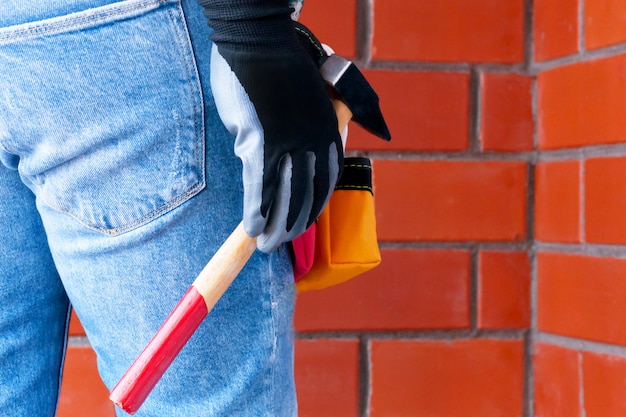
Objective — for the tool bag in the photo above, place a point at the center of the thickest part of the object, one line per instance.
(342, 243)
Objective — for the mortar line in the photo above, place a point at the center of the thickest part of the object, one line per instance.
(455, 247)
(578, 344)
(585, 152)
(529, 342)
(415, 335)
(531, 69)
(473, 289)
(544, 155)
(475, 105)
(464, 67)
(604, 150)
(530, 203)
(364, 377)
(582, 56)
(582, 47)
(535, 113)
(528, 34)
(468, 155)
(581, 386)
(364, 32)
(529, 376)
(582, 202)
(559, 155)
(78, 341)
(587, 249)
(520, 245)
(534, 283)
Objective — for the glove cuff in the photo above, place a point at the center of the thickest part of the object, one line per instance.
(255, 26)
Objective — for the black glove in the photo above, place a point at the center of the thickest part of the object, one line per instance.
(270, 95)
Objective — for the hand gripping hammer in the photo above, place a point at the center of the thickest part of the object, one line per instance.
(355, 99)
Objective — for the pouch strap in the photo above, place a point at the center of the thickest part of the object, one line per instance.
(357, 175)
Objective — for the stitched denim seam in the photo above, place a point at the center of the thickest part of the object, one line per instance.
(63, 352)
(128, 226)
(186, 51)
(43, 28)
(164, 208)
(269, 380)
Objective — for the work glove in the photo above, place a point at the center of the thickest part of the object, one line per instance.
(271, 97)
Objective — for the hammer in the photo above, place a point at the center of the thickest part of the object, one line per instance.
(355, 100)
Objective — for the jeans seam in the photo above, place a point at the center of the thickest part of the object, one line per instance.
(274, 299)
(164, 208)
(63, 354)
(42, 28)
(186, 50)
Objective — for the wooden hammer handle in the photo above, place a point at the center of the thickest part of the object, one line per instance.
(209, 286)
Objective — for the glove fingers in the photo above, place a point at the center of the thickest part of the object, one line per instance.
(302, 197)
(326, 175)
(301, 194)
(277, 230)
(322, 187)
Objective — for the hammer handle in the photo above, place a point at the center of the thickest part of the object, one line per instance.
(208, 287)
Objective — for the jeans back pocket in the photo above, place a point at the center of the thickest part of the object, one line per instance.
(104, 109)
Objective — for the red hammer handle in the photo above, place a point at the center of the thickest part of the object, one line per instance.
(139, 380)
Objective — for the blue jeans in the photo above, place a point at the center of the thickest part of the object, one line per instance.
(118, 182)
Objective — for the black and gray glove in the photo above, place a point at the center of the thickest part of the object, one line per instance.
(271, 96)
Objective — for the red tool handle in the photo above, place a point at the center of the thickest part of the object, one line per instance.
(138, 381)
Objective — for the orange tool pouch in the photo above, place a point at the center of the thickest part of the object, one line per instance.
(343, 242)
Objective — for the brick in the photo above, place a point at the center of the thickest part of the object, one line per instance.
(582, 296)
(555, 28)
(507, 116)
(557, 381)
(558, 202)
(460, 378)
(604, 385)
(411, 289)
(449, 31)
(503, 290)
(424, 111)
(336, 29)
(605, 23)
(605, 200)
(76, 328)
(82, 391)
(582, 104)
(450, 200)
(327, 377)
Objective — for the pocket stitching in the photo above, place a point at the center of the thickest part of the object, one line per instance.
(186, 51)
(64, 23)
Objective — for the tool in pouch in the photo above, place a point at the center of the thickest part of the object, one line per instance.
(342, 243)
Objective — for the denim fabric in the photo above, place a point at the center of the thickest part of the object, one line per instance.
(118, 182)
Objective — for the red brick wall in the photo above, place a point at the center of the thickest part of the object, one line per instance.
(579, 327)
(500, 208)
